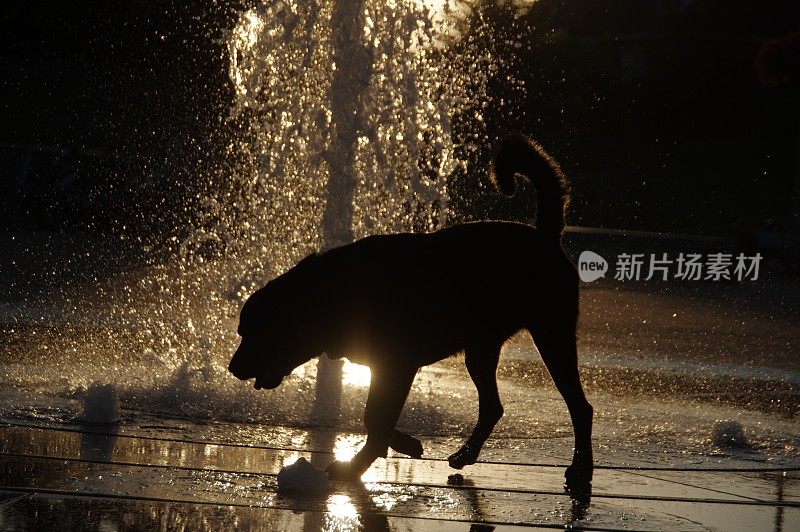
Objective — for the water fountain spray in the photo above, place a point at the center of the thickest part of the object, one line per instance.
(346, 97)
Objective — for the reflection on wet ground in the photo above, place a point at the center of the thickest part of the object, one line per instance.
(103, 479)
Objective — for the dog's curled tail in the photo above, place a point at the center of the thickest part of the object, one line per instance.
(519, 155)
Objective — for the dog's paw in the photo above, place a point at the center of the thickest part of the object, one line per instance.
(578, 479)
(338, 470)
(406, 444)
(465, 456)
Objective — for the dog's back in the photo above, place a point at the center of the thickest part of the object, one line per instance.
(430, 295)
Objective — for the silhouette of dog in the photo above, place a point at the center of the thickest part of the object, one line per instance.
(399, 302)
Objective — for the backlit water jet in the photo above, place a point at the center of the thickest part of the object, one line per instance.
(346, 97)
(351, 105)
(340, 127)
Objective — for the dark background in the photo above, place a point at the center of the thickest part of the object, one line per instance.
(666, 115)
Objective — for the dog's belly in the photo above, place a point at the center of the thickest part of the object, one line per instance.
(421, 334)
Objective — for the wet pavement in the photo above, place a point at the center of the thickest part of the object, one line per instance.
(197, 450)
(98, 478)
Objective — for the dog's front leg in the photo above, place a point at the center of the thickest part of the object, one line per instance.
(387, 394)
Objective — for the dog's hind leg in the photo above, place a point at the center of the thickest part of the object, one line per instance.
(482, 367)
(388, 390)
(557, 346)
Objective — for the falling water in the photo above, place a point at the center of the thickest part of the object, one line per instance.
(347, 97)
(351, 102)
(345, 130)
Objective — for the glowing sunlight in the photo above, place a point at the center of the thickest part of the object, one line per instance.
(355, 374)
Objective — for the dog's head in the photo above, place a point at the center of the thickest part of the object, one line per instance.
(274, 336)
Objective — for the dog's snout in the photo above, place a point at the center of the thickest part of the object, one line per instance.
(233, 367)
(236, 367)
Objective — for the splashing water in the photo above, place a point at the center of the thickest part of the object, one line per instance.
(347, 111)
(351, 102)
